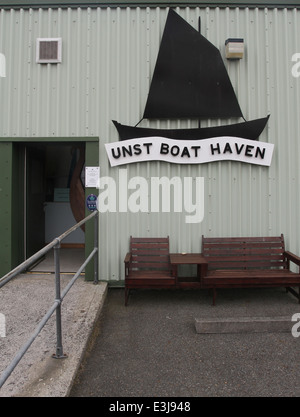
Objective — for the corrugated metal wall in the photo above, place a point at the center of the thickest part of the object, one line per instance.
(108, 60)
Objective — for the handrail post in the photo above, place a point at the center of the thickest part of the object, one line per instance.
(55, 245)
(96, 245)
(59, 347)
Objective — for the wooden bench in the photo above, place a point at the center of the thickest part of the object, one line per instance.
(147, 265)
(242, 262)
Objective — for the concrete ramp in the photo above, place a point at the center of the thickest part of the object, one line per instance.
(24, 301)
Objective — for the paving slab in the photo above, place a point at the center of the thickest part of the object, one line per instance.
(243, 325)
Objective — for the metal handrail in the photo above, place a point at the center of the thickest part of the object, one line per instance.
(56, 306)
(26, 264)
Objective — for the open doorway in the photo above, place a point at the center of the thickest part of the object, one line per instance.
(54, 201)
(23, 165)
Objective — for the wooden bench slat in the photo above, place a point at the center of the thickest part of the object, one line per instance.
(245, 258)
(240, 250)
(153, 257)
(144, 266)
(226, 240)
(149, 240)
(150, 253)
(251, 274)
(149, 245)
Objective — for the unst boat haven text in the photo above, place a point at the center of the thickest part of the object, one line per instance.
(189, 151)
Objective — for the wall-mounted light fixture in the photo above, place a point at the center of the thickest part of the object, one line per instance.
(234, 48)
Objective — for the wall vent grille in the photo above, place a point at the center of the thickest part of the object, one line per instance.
(48, 50)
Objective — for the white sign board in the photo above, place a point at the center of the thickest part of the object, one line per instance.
(92, 175)
(224, 148)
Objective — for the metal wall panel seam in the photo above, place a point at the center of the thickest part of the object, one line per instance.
(142, 3)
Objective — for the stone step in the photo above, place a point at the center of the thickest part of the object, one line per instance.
(244, 325)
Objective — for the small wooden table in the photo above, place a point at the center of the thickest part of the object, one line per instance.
(188, 259)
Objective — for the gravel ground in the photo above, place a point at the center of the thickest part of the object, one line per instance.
(24, 301)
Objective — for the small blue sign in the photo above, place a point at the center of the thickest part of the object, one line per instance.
(91, 202)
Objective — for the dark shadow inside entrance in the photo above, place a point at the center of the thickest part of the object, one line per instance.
(70, 261)
(54, 202)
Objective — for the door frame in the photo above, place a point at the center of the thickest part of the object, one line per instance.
(12, 198)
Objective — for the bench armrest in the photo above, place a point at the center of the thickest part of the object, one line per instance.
(127, 262)
(127, 258)
(292, 257)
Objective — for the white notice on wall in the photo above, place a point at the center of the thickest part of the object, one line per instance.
(92, 175)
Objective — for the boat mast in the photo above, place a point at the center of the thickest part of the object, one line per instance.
(199, 30)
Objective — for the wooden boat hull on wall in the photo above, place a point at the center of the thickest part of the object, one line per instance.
(247, 130)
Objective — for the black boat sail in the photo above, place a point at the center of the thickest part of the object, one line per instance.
(190, 81)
